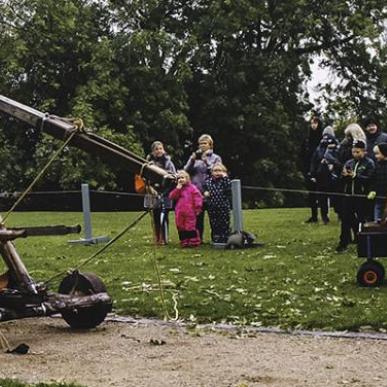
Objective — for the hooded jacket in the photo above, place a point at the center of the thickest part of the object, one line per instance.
(309, 145)
(322, 157)
(189, 202)
(374, 139)
(364, 173)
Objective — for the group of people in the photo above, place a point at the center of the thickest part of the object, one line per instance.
(356, 167)
(202, 185)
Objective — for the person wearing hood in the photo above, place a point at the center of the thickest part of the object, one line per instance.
(159, 157)
(334, 166)
(322, 169)
(380, 184)
(308, 147)
(374, 135)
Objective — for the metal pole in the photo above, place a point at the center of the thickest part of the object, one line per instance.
(236, 192)
(86, 211)
(89, 239)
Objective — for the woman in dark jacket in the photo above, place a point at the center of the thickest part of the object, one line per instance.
(308, 147)
(374, 134)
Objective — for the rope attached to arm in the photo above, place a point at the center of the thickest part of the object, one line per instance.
(75, 130)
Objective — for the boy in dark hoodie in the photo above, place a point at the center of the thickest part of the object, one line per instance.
(380, 152)
(357, 176)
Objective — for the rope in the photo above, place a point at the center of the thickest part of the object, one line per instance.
(37, 193)
(157, 269)
(4, 344)
(40, 174)
(117, 193)
(306, 192)
(143, 167)
(101, 250)
(174, 299)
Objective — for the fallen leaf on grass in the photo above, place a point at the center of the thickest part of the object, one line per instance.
(241, 290)
(193, 279)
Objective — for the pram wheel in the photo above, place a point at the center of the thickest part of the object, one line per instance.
(370, 274)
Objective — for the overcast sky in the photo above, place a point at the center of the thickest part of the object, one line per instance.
(319, 76)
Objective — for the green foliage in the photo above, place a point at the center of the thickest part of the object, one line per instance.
(171, 70)
(295, 280)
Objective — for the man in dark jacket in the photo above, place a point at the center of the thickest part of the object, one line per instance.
(308, 147)
(357, 176)
(374, 134)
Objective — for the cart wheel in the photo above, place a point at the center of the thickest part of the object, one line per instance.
(84, 284)
(370, 274)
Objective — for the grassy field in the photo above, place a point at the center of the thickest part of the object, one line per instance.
(295, 280)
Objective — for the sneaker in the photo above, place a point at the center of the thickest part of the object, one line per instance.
(325, 220)
(341, 248)
(311, 220)
(354, 241)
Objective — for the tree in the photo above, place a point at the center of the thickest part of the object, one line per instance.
(172, 70)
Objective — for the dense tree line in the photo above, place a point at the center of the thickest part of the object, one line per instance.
(142, 70)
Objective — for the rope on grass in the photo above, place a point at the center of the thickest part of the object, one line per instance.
(101, 250)
(157, 270)
(174, 299)
(4, 344)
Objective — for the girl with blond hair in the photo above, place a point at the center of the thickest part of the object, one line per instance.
(217, 193)
(189, 203)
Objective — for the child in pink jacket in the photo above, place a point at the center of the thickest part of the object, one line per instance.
(189, 204)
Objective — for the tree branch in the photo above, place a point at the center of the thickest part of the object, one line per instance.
(323, 46)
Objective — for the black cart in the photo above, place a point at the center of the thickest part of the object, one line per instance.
(372, 243)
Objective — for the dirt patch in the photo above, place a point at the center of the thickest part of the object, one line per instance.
(121, 354)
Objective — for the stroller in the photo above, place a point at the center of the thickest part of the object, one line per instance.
(160, 205)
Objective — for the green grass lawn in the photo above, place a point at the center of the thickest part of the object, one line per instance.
(295, 280)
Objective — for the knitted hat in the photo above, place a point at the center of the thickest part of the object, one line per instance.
(383, 148)
(359, 144)
(329, 130)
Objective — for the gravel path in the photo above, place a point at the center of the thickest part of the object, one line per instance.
(122, 354)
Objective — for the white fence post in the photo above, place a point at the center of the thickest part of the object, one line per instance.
(88, 240)
(237, 215)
